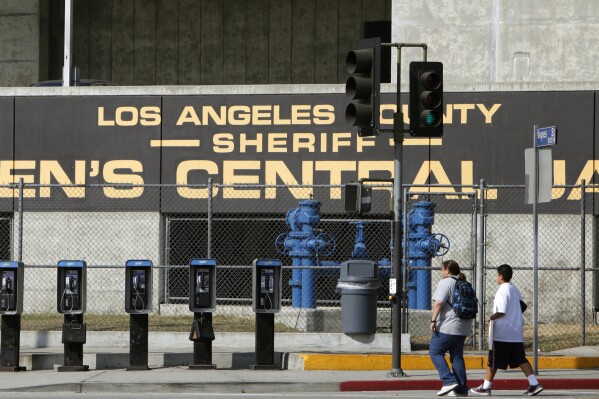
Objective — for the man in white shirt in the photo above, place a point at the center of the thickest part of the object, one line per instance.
(508, 335)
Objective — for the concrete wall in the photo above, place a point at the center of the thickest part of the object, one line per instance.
(19, 43)
(191, 42)
(501, 41)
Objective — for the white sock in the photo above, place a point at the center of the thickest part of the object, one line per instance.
(487, 384)
(532, 379)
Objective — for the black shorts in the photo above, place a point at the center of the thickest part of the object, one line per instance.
(506, 354)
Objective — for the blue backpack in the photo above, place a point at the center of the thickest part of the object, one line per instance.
(464, 302)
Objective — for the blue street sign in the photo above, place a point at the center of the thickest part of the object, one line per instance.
(546, 136)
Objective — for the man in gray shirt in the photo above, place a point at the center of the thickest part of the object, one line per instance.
(449, 333)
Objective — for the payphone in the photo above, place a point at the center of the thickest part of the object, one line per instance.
(202, 285)
(266, 285)
(138, 286)
(72, 287)
(11, 288)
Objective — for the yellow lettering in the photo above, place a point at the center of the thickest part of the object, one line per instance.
(239, 115)
(132, 121)
(101, 120)
(52, 169)
(244, 142)
(150, 116)
(488, 113)
(324, 114)
(229, 178)
(335, 169)
(587, 173)
(189, 115)
(110, 176)
(341, 140)
(277, 119)
(559, 178)
(7, 177)
(208, 112)
(300, 114)
(433, 168)
(223, 143)
(463, 108)
(303, 140)
(277, 142)
(261, 115)
(183, 170)
(278, 169)
(365, 142)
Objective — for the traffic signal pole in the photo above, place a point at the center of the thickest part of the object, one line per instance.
(399, 300)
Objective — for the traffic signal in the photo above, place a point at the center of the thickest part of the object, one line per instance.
(426, 99)
(363, 86)
(358, 198)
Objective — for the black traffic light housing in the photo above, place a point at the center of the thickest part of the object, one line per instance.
(363, 87)
(426, 99)
(358, 198)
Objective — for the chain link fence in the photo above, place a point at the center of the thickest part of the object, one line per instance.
(106, 225)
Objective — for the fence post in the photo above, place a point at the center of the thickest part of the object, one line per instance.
(21, 219)
(480, 266)
(405, 265)
(473, 259)
(582, 264)
(209, 238)
(167, 260)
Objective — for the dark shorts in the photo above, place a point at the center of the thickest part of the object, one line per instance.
(506, 354)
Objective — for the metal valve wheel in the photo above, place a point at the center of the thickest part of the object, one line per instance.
(280, 244)
(325, 244)
(439, 244)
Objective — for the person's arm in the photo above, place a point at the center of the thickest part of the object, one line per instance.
(438, 305)
(496, 316)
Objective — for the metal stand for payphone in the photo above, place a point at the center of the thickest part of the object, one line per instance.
(265, 342)
(138, 342)
(202, 346)
(11, 340)
(73, 338)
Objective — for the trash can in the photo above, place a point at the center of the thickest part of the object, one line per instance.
(358, 285)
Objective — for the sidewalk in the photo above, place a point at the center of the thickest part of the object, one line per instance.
(182, 379)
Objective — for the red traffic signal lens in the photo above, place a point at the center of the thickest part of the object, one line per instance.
(430, 80)
(430, 99)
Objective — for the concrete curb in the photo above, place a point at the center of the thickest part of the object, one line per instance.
(498, 384)
(322, 361)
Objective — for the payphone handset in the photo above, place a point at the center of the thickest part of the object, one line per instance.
(7, 291)
(267, 281)
(138, 290)
(71, 286)
(71, 291)
(202, 281)
(202, 285)
(138, 286)
(11, 287)
(266, 287)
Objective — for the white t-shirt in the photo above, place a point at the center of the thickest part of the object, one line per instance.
(510, 327)
(447, 321)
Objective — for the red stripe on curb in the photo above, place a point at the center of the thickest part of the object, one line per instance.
(498, 384)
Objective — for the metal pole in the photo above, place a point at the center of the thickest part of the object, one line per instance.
(582, 263)
(535, 266)
(475, 273)
(406, 263)
(480, 265)
(209, 244)
(68, 42)
(167, 261)
(21, 183)
(396, 324)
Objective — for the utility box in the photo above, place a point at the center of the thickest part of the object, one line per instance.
(138, 286)
(358, 285)
(266, 285)
(11, 290)
(72, 287)
(202, 285)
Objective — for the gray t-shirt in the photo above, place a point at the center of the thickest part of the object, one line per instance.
(447, 321)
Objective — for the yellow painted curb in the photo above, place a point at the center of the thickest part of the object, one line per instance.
(342, 361)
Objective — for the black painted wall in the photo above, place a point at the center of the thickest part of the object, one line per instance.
(193, 42)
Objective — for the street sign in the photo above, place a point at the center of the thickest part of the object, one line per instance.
(546, 136)
(545, 178)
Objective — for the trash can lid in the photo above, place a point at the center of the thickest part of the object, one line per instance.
(358, 270)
